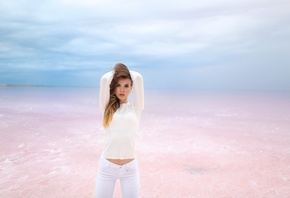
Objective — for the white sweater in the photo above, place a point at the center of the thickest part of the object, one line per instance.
(123, 129)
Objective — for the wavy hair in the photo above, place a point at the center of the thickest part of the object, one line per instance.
(121, 71)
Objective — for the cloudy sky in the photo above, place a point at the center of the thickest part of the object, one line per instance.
(184, 44)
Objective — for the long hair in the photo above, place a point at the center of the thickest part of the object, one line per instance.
(121, 72)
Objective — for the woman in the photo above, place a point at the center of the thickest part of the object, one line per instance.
(121, 123)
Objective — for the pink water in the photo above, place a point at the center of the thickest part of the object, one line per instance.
(203, 145)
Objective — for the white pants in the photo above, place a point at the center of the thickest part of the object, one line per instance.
(109, 172)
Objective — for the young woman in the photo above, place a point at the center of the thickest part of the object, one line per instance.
(121, 124)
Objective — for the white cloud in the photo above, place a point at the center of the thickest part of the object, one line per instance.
(212, 36)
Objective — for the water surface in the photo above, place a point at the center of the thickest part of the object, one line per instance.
(201, 145)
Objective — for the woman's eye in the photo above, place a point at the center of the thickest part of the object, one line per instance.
(126, 85)
(118, 85)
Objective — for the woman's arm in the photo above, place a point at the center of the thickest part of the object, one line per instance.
(104, 95)
(139, 90)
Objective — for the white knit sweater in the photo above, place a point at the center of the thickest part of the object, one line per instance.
(123, 129)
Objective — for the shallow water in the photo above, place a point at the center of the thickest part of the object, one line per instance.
(199, 145)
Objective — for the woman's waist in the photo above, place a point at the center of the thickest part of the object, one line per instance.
(120, 161)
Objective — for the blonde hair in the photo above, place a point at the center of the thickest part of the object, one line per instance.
(121, 72)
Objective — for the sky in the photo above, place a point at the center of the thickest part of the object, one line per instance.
(175, 45)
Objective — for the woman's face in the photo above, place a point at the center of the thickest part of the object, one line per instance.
(123, 89)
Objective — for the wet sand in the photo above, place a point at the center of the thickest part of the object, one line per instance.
(200, 145)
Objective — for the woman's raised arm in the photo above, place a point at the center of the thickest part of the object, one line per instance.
(139, 90)
(104, 95)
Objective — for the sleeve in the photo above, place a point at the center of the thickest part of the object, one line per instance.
(139, 90)
(104, 94)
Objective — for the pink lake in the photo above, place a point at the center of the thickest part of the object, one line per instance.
(199, 145)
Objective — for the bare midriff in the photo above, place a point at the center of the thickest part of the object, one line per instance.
(120, 161)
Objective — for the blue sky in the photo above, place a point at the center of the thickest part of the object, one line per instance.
(222, 44)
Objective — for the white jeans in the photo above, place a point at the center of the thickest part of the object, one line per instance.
(109, 172)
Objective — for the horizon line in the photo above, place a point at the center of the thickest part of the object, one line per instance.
(3, 85)
(29, 85)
